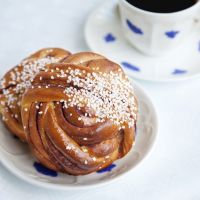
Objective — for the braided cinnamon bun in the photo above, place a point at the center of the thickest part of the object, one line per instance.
(80, 115)
(15, 82)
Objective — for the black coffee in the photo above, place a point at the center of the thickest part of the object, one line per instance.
(162, 6)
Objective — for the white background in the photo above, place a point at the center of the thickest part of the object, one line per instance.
(171, 171)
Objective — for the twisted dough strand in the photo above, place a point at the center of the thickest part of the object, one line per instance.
(69, 138)
(15, 82)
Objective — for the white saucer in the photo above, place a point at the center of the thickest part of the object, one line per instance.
(16, 156)
(103, 35)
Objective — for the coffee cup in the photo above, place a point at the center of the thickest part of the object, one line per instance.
(156, 33)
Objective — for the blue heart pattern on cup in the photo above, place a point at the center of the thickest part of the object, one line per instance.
(134, 28)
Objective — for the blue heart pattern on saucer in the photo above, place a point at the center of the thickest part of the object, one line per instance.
(179, 71)
(48, 172)
(109, 37)
(134, 28)
(130, 66)
(171, 34)
(137, 69)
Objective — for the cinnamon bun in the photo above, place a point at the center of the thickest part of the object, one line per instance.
(80, 115)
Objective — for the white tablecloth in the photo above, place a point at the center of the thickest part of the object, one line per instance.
(171, 171)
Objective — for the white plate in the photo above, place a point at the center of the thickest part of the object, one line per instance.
(103, 35)
(16, 157)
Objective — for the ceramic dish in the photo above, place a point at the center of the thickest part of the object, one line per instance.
(103, 35)
(16, 156)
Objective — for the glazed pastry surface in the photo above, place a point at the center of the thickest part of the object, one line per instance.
(79, 115)
(17, 80)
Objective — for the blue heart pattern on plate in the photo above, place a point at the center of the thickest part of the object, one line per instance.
(107, 169)
(48, 172)
(44, 170)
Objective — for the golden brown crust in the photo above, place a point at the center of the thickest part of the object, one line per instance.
(12, 88)
(70, 139)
